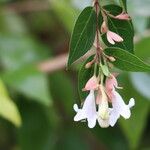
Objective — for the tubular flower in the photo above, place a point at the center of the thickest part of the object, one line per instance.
(88, 111)
(103, 110)
(112, 37)
(104, 115)
(119, 108)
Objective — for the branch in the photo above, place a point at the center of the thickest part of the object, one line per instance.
(53, 64)
(28, 6)
(59, 62)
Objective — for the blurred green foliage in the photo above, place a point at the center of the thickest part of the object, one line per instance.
(40, 104)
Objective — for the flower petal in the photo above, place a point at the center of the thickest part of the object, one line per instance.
(92, 121)
(116, 37)
(79, 116)
(98, 97)
(75, 107)
(112, 36)
(120, 107)
(131, 103)
(88, 111)
(110, 85)
(109, 38)
(92, 84)
(114, 116)
(103, 123)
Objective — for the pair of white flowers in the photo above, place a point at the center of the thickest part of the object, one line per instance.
(101, 96)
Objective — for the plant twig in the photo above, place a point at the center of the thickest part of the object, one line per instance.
(60, 62)
(28, 6)
(53, 64)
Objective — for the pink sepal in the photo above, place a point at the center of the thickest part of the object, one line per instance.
(123, 16)
(92, 84)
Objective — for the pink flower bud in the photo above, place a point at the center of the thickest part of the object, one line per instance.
(112, 37)
(88, 65)
(92, 84)
(111, 84)
(123, 16)
(112, 59)
(104, 28)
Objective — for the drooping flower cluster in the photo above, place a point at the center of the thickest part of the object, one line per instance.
(103, 104)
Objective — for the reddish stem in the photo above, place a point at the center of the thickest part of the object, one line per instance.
(98, 47)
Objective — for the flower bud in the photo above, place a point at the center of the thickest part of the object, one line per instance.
(92, 84)
(112, 59)
(104, 27)
(88, 65)
(123, 16)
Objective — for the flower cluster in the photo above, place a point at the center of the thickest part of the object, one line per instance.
(96, 105)
(103, 103)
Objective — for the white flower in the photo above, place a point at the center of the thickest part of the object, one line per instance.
(104, 123)
(103, 109)
(105, 116)
(88, 111)
(119, 108)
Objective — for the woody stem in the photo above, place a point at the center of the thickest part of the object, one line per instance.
(98, 48)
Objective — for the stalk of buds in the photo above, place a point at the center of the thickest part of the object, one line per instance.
(103, 104)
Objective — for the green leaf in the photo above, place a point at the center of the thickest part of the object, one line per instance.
(8, 108)
(62, 90)
(11, 23)
(113, 9)
(123, 28)
(15, 52)
(31, 83)
(133, 128)
(18, 55)
(141, 81)
(127, 61)
(100, 20)
(107, 2)
(83, 35)
(71, 139)
(36, 124)
(123, 4)
(83, 77)
(142, 49)
(116, 136)
(105, 70)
